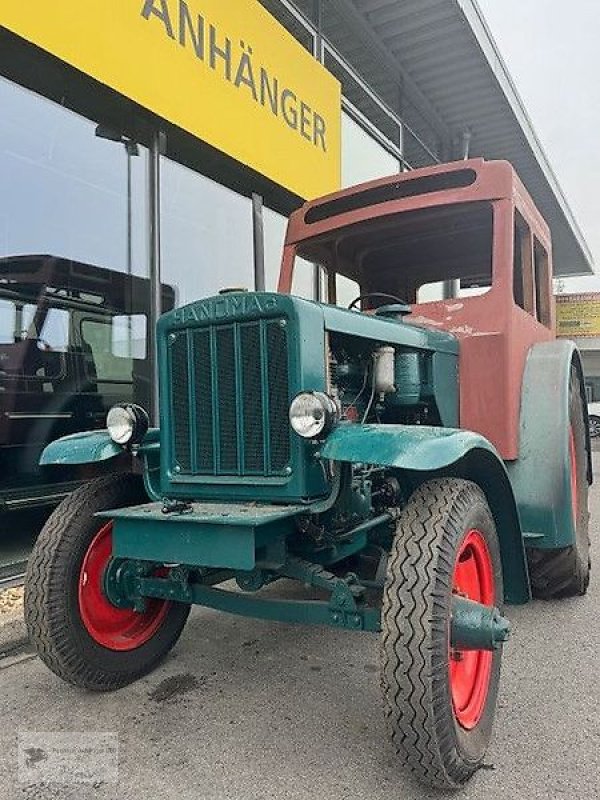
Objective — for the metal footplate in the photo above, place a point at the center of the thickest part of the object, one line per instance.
(221, 535)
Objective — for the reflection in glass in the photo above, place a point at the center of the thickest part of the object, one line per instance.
(275, 226)
(363, 159)
(206, 234)
(73, 324)
(68, 188)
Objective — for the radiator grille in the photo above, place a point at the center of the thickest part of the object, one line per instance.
(229, 387)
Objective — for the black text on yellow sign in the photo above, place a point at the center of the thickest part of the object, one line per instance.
(226, 72)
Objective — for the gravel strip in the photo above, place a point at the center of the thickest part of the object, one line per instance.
(11, 600)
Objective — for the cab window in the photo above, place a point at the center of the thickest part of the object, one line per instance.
(522, 265)
(114, 344)
(542, 283)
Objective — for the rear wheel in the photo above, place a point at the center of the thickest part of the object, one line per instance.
(594, 427)
(565, 572)
(77, 631)
(439, 701)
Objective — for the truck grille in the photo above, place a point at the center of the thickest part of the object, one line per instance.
(229, 399)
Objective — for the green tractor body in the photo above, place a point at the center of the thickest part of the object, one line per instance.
(357, 452)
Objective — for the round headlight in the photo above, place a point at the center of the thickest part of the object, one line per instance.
(127, 423)
(312, 414)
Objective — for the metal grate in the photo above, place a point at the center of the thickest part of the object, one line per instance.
(229, 387)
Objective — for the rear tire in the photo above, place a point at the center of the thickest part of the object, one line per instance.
(77, 632)
(439, 703)
(565, 572)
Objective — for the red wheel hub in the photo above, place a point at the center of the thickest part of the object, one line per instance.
(109, 626)
(470, 670)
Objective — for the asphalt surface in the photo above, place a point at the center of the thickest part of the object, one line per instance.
(256, 710)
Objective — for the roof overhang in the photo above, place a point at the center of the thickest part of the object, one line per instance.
(443, 50)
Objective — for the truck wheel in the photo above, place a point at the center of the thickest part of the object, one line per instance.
(565, 572)
(77, 631)
(439, 702)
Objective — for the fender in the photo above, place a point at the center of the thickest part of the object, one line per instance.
(89, 447)
(541, 476)
(422, 452)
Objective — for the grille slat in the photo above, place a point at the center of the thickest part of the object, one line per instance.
(180, 389)
(252, 399)
(202, 395)
(227, 451)
(229, 399)
(278, 395)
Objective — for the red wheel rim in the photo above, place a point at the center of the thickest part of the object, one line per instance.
(109, 626)
(471, 670)
(573, 465)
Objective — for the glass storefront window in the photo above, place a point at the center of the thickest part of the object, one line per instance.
(274, 226)
(74, 291)
(206, 235)
(363, 159)
(68, 188)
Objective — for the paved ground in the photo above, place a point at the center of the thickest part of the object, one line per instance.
(246, 709)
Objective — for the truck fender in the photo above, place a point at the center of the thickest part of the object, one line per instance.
(90, 447)
(541, 475)
(421, 452)
(86, 447)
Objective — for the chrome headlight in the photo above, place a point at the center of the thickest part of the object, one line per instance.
(312, 414)
(127, 423)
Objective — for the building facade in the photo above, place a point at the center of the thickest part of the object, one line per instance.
(134, 183)
(578, 318)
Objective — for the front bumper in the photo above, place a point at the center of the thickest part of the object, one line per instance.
(216, 535)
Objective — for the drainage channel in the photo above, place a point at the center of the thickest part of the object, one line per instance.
(12, 574)
(15, 653)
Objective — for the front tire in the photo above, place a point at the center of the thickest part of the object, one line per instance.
(440, 703)
(77, 632)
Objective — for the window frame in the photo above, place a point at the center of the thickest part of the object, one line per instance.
(525, 246)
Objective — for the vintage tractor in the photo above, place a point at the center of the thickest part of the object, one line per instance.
(418, 461)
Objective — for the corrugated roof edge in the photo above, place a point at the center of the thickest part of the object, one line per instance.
(476, 19)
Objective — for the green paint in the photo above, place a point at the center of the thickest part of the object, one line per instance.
(388, 330)
(474, 626)
(303, 478)
(80, 448)
(306, 612)
(249, 524)
(421, 452)
(540, 478)
(232, 536)
(444, 379)
(408, 447)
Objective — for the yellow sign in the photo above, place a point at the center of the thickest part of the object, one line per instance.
(578, 315)
(225, 71)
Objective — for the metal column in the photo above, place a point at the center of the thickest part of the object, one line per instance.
(156, 149)
(258, 231)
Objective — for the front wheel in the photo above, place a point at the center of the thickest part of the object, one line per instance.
(440, 702)
(77, 631)
(594, 427)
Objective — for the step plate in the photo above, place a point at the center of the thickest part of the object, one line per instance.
(228, 536)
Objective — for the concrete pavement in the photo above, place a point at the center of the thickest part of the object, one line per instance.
(256, 710)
